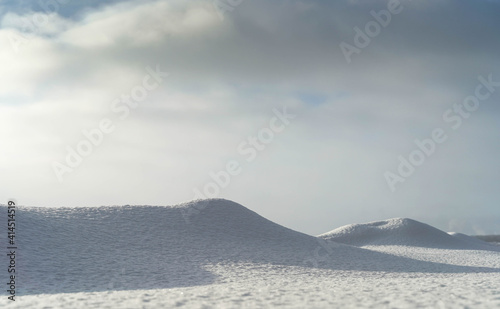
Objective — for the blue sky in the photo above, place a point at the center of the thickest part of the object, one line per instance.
(64, 68)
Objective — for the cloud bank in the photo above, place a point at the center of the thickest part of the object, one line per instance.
(65, 65)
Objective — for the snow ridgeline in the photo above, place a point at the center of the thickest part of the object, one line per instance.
(65, 250)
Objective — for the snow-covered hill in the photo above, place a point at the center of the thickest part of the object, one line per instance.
(403, 232)
(93, 249)
(130, 248)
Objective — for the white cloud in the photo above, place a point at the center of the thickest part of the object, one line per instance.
(141, 25)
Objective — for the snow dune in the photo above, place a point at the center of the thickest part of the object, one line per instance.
(70, 250)
(403, 232)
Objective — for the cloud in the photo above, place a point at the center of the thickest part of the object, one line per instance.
(226, 76)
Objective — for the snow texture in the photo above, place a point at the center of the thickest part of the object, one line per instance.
(223, 255)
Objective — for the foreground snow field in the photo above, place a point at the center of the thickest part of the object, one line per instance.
(219, 254)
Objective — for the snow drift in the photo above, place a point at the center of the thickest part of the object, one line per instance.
(403, 232)
(65, 250)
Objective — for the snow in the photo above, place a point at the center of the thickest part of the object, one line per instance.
(223, 255)
(403, 232)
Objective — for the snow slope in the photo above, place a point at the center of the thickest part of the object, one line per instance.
(151, 255)
(403, 232)
(93, 249)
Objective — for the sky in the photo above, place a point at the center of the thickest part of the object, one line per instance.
(314, 114)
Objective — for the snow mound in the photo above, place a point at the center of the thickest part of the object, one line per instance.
(126, 247)
(402, 232)
(69, 250)
(471, 240)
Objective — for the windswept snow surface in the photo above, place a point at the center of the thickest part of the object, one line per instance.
(219, 254)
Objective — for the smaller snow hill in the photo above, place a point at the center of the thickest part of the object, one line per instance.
(494, 239)
(403, 232)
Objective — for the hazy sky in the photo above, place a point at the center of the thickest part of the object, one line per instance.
(362, 79)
